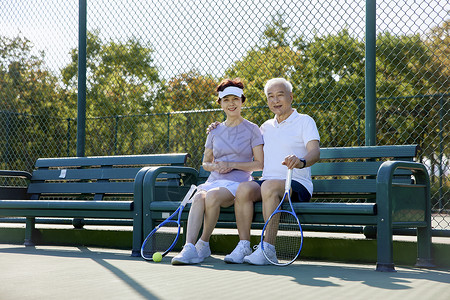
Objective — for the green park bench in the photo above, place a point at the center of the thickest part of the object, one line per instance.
(103, 187)
(374, 186)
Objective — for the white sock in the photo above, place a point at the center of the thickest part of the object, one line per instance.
(203, 242)
(245, 243)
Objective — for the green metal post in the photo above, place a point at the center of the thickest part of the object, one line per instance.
(82, 41)
(370, 84)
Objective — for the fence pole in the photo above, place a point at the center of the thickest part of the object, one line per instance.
(81, 105)
(370, 78)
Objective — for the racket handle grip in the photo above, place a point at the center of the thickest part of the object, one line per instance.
(287, 184)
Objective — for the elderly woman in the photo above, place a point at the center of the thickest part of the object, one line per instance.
(232, 152)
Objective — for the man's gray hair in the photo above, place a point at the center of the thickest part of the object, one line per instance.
(273, 81)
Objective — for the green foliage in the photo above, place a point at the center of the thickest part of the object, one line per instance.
(121, 80)
(121, 76)
(189, 91)
(327, 75)
(405, 65)
(31, 106)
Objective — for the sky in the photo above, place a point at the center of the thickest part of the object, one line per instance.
(207, 35)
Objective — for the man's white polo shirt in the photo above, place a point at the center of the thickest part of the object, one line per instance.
(287, 138)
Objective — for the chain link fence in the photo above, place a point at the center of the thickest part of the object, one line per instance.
(152, 68)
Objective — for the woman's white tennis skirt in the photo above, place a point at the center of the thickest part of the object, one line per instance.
(228, 184)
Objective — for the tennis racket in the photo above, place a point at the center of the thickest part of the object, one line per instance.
(282, 230)
(164, 236)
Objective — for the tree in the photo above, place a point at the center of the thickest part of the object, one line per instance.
(325, 72)
(407, 73)
(272, 57)
(189, 91)
(31, 106)
(438, 43)
(121, 77)
(121, 80)
(332, 86)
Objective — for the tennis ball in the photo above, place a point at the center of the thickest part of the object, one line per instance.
(157, 256)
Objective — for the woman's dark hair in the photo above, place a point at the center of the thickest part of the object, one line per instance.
(237, 82)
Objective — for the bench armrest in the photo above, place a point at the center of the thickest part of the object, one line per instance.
(189, 176)
(392, 196)
(388, 168)
(403, 205)
(14, 192)
(145, 179)
(13, 173)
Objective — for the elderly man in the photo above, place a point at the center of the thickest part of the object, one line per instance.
(291, 140)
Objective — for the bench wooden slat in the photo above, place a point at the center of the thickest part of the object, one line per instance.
(69, 205)
(83, 174)
(317, 218)
(91, 173)
(352, 186)
(81, 188)
(395, 151)
(332, 219)
(367, 168)
(345, 168)
(335, 208)
(151, 159)
(70, 213)
(300, 208)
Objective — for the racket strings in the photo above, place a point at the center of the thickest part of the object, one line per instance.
(161, 240)
(284, 233)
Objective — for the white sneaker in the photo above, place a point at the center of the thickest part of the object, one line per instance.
(238, 254)
(258, 258)
(187, 256)
(203, 249)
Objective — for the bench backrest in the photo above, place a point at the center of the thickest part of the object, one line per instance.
(351, 170)
(96, 175)
(354, 169)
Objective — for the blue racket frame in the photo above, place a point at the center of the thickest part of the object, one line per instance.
(287, 191)
(170, 219)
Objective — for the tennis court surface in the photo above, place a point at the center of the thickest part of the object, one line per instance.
(55, 272)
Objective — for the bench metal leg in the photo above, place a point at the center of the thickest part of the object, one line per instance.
(424, 258)
(385, 259)
(29, 231)
(385, 245)
(424, 255)
(137, 234)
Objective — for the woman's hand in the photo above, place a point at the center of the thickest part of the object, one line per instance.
(222, 167)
